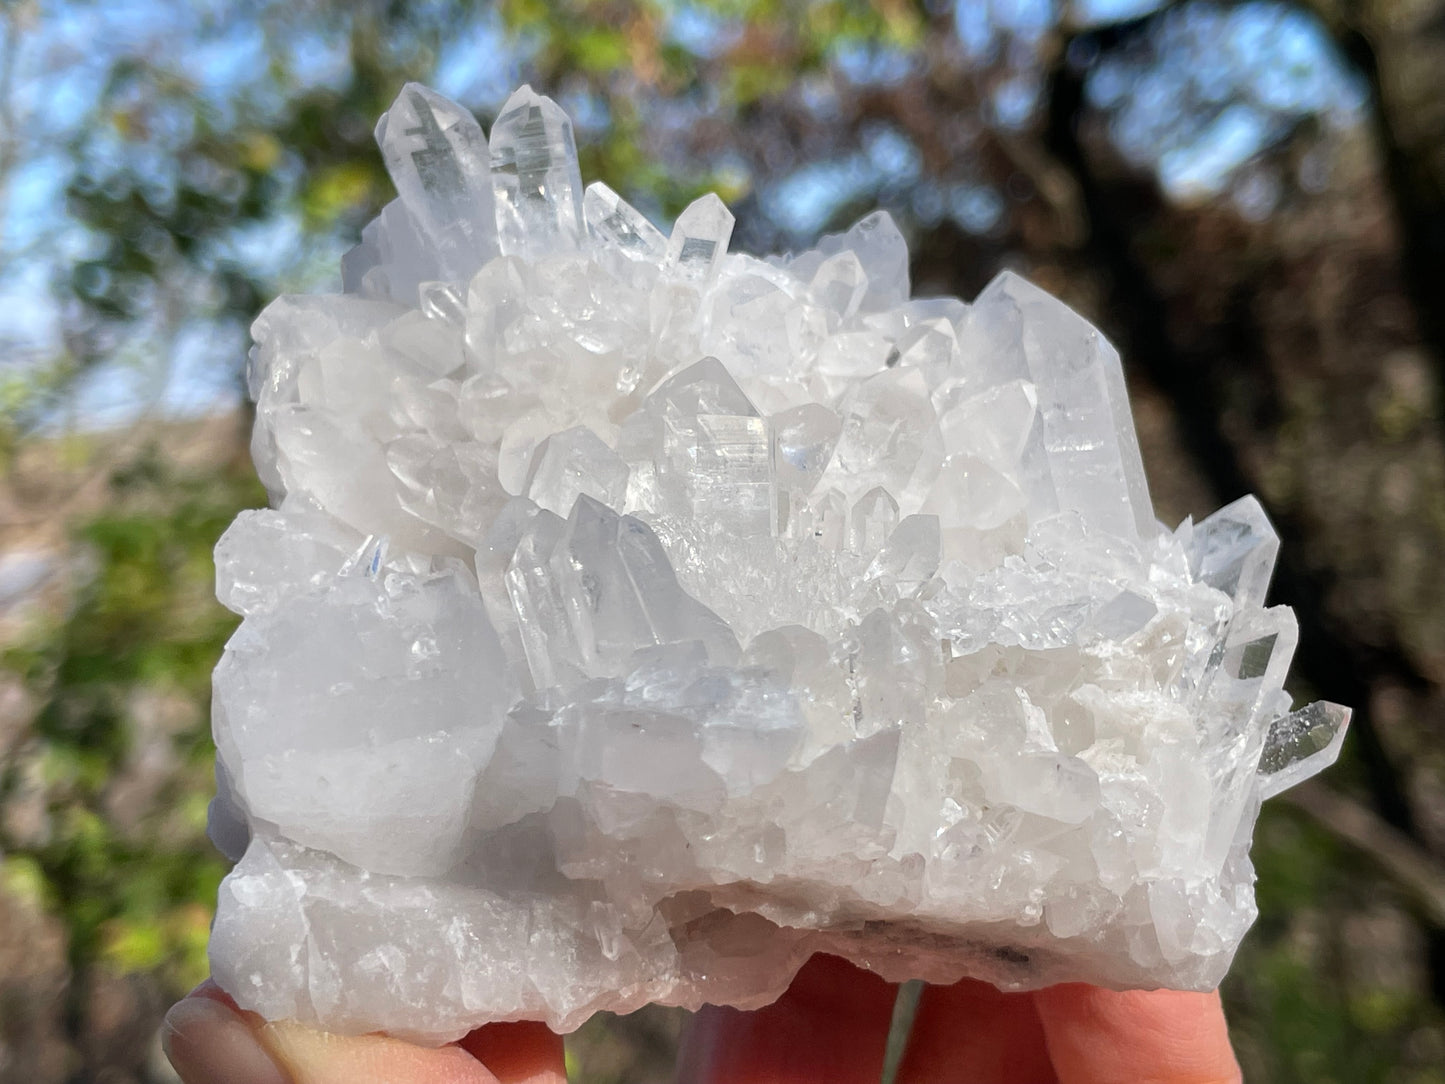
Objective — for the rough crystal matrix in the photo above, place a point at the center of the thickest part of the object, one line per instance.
(637, 618)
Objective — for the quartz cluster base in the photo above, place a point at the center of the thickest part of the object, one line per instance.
(635, 618)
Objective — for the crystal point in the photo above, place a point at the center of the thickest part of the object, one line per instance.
(535, 178)
(1235, 549)
(699, 239)
(1301, 744)
(803, 441)
(1093, 452)
(436, 155)
(615, 223)
(570, 464)
(881, 252)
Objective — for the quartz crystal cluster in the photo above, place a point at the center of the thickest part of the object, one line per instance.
(636, 618)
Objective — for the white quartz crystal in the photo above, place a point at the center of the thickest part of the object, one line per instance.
(636, 619)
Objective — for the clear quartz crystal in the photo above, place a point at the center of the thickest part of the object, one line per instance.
(569, 464)
(1092, 450)
(803, 441)
(437, 157)
(620, 227)
(1301, 744)
(700, 239)
(1235, 550)
(636, 619)
(840, 283)
(535, 179)
(872, 521)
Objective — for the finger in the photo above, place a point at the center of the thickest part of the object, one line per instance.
(1141, 1036)
(210, 1041)
(317, 1057)
(829, 1028)
(972, 1032)
(525, 1053)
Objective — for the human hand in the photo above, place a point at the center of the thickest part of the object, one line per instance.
(832, 1024)
(210, 1041)
(829, 1028)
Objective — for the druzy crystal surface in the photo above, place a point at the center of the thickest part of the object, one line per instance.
(635, 618)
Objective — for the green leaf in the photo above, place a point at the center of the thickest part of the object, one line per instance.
(600, 50)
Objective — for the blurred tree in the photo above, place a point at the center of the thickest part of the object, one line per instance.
(1248, 196)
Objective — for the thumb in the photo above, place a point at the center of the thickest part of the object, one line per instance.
(316, 1057)
(210, 1041)
(1098, 1036)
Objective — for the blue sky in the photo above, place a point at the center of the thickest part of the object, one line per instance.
(1217, 85)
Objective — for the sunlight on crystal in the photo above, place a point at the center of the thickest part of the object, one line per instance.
(637, 618)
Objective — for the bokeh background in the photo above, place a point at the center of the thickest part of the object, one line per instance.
(1248, 197)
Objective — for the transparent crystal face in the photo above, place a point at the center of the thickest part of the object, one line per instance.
(535, 180)
(636, 618)
(699, 239)
(443, 225)
(1300, 744)
(618, 227)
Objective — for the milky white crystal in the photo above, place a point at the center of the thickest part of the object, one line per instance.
(636, 618)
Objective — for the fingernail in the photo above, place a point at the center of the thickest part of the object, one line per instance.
(209, 1043)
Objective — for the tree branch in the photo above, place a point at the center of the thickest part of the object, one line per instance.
(1416, 188)
(1337, 666)
(1407, 864)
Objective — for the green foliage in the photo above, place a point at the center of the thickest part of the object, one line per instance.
(1298, 1011)
(142, 625)
(25, 396)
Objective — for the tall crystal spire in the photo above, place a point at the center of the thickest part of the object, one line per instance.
(1092, 450)
(436, 155)
(535, 177)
